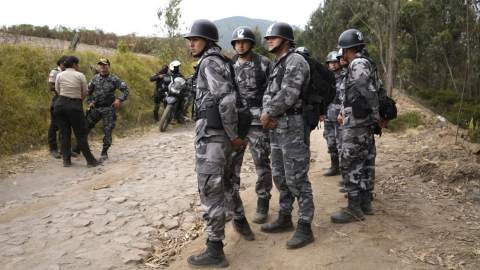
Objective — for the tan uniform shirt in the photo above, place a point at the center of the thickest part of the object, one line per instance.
(71, 83)
(53, 74)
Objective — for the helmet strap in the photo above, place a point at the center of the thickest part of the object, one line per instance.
(337, 69)
(274, 50)
(243, 55)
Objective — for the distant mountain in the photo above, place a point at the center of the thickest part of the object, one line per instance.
(227, 25)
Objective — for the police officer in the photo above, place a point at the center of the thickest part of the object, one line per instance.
(104, 104)
(171, 76)
(343, 63)
(71, 87)
(251, 74)
(159, 92)
(289, 135)
(216, 137)
(53, 128)
(332, 131)
(359, 115)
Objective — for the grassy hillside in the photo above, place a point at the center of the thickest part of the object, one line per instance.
(227, 25)
(25, 98)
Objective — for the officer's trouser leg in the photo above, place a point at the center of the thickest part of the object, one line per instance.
(329, 133)
(357, 159)
(52, 131)
(213, 158)
(109, 121)
(290, 165)
(259, 144)
(233, 202)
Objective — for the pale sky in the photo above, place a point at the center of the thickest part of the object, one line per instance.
(139, 16)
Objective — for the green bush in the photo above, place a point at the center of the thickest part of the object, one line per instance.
(405, 121)
(25, 101)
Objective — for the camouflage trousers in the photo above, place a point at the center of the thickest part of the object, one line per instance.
(332, 132)
(109, 121)
(290, 149)
(213, 157)
(259, 144)
(357, 159)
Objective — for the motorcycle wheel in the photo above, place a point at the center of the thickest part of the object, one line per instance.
(166, 117)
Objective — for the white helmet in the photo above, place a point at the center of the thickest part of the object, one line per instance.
(175, 64)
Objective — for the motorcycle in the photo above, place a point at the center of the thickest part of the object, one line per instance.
(175, 100)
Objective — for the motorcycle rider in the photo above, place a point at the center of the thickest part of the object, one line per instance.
(252, 71)
(171, 76)
(159, 93)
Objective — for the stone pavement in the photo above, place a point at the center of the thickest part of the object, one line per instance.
(109, 217)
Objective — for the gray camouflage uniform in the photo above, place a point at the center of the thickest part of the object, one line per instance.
(212, 146)
(290, 140)
(104, 88)
(332, 130)
(257, 137)
(357, 158)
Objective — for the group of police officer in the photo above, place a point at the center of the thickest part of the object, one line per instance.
(273, 93)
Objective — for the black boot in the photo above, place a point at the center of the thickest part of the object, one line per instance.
(94, 163)
(155, 116)
(282, 224)
(335, 168)
(352, 213)
(213, 256)
(243, 228)
(303, 236)
(342, 190)
(104, 154)
(365, 203)
(75, 151)
(262, 210)
(341, 183)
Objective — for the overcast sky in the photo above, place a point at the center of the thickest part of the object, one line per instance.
(140, 16)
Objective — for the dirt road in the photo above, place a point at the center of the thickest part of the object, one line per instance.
(52, 218)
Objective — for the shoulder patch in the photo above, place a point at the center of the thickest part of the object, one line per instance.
(124, 84)
(51, 75)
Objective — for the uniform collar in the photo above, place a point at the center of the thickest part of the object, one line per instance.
(276, 60)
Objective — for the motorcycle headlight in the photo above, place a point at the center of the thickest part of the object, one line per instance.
(175, 91)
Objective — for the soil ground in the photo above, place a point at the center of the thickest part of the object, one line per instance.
(145, 210)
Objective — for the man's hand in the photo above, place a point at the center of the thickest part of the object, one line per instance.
(383, 123)
(268, 122)
(162, 76)
(91, 105)
(239, 143)
(340, 117)
(116, 104)
(322, 118)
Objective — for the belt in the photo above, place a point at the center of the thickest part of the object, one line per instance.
(254, 102)
(293, 111)
(71, 99)
(102, 105)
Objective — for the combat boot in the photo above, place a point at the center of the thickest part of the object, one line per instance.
(335, 167)
(104, 154)
(341, 183)
(261, 214)
(155, 116)
(243, 228)
(213, 256)
(94, 163)
(303, 236)
(55, 154)
(282, 224)
(365, 203)
(342, 190)
(75, 151)
(352, 213)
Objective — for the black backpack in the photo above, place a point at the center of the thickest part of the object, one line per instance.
(387, 106)
(321, 90)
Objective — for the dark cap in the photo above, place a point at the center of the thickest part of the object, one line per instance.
(62, 59)
(104, 61)
(164, 66)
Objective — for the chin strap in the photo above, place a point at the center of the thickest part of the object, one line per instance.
(243, 55)
(203, 51)
(335, 70)
(274, 50)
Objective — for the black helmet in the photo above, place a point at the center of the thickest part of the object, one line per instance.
(242, 33)
(350, 38)
(203, 28)
(332, 57)
(302, 50)
(280, 29)
(339, 54)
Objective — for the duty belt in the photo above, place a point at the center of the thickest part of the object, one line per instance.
(293, 111)
(71, 99)
(254, 102)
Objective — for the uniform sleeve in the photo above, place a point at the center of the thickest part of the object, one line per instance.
(124, 89)
(155, 77)
(296, 72)
(52, 76)
(84, 86)
(91, 89)
(361, 75)
(221, 89)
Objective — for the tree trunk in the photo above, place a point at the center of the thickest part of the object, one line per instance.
(394, 10)
(75, 40)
